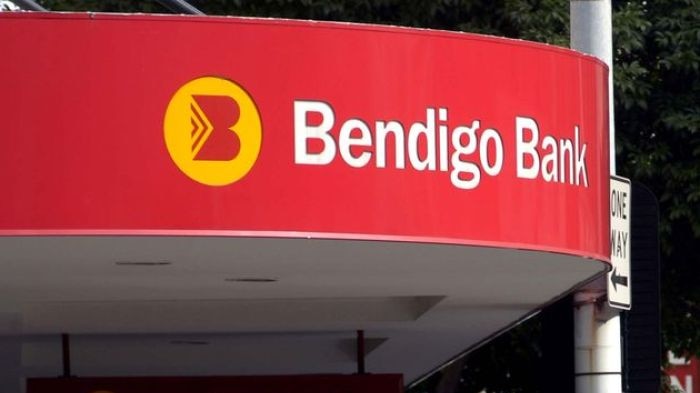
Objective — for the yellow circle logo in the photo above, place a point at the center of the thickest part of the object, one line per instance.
(213, 130)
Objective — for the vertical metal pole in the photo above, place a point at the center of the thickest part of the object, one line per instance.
(65, 346)
(591, 32)
(597, 346)
(360, 351)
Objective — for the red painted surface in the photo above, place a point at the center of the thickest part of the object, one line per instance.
(375, 383)
(685, 374)
(84, 97)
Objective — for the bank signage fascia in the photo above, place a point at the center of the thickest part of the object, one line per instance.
(467, 152)
(290, 128)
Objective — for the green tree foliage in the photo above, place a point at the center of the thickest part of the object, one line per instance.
(657, 93)
(542, 20)
(104, 6)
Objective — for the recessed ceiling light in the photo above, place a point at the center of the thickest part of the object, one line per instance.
(189, 342)
(251, 279)
(143, 263)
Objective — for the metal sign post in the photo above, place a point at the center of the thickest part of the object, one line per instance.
(598, 352)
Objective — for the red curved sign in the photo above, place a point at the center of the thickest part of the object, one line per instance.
(117, 124)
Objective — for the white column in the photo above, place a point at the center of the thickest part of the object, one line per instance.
(598, 360)
(598, 351)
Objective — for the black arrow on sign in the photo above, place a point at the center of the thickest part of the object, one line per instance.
(617, 279)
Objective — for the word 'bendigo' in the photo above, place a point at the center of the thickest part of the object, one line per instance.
(433, 146)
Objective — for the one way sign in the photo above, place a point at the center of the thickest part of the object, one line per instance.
(619, 280)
